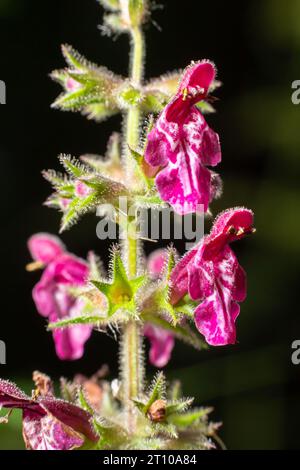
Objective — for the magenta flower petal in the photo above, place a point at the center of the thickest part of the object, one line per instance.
(197, 79)
(215, 320)
(42, 295)
(69, 342)
(156, 262)
(81, 189)
(53, 300)
(71, 415)
(200, 280)
(239, 291)
(47, 433)
(70, 270)
(211, 274)
(45, 247)
(48, 423)
(162, 343)
(72, 85)
(216, 315)
(179, 277)
(186, 186)
(11, 396)
(229, 226)
(181, 145)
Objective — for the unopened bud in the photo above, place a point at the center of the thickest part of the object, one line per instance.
(133, 11)
(157, 411)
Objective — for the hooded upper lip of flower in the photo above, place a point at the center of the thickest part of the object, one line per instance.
(48, 422)
(51, 294)
(181, 145)
(211, 273)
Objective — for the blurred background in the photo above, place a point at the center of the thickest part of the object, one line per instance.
(253, 386)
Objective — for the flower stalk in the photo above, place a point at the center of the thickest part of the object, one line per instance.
(131, 344)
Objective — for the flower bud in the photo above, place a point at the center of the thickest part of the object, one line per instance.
(157, 411)
(133, 12)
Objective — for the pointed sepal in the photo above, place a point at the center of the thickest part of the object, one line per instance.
(120, 291)
(87, 87)
(82, 191)
(111, 164)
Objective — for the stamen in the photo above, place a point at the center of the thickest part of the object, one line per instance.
(185, 94)
(34, 266)
(35, 394)
(4, 419)
(240, 232)
(231, 230)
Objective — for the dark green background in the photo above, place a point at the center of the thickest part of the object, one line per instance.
(253, 385)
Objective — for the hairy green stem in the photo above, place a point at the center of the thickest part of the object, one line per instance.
(131, 344)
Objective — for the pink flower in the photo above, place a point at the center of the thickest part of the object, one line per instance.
(48, 423)
(211, 274)
(181, 145)
(52, 297)
(156, 262)
(162, 342)
(81, 189)
(72, 85)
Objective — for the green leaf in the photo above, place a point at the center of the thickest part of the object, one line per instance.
(171, 256)
(167, 429)
(59, 76)
(97, 90)
(73, 58)
(80, 320)
(154, 101)
(140, 405)
(111, 164)
(83, 402)
(181, 331)
(99, 111)
(73, 166)
(138, 160)
(136, 156)
(178, 406)
(157, 390)
(189, 418)
(186, 307)
(76, 100)
(58, 180)
(77, 207)
(149, 201)
(88, 79)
